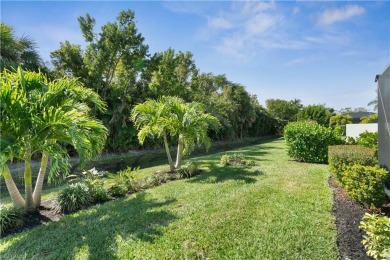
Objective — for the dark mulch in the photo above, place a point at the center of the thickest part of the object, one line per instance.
(348, 216)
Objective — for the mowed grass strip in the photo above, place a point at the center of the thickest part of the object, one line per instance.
(279, 209)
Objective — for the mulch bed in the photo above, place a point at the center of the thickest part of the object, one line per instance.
(348, 215)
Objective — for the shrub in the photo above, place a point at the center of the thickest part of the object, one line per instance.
(368, 139)
(9, 218)
(365, 184)
(98, 193)
(309, 142)
(74, 197)
(189, 170)
(121, 182)
(236, 159)
(377, 238)
(341, 156)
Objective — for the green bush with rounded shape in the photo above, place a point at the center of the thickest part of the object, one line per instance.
(365, 184)
(342, 156)
(377, 238)
(368, 139)
(74, 197)
(309, 141)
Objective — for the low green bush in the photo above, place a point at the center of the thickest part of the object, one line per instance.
(74, 197)
(98, 193)
(189, 170)
(365, 184)
(236, 159)
(9, 218)
(341, 156)
(309, 141)
(121, 182)
(377, 238)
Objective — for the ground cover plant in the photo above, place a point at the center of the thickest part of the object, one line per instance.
(277, 209)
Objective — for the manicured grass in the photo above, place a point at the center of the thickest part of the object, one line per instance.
(279, 209)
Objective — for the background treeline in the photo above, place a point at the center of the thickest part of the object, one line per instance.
(117, 64)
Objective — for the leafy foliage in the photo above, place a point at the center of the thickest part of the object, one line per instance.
(365, 184)
(121, 182)
(17, 52)
(189, 170)
(368, 139)
(316, 113)
(342, 156)
(74, 197)
(283, 109)
(40, 116)
(369, 119)
(9, 218)
(309, 142)
(236, 159)
(377, 238)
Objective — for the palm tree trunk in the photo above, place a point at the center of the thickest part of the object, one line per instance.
(41, 176)
(171, 166)
(16, 197)
(30, 206)
(180, 148)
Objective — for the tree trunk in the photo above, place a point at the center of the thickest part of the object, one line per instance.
(30, 206)
(171, 166)
(41, 176)
(180, 148)
(16, 198)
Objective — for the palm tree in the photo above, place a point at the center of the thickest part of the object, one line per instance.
(171, 116)
(16, 52)
(147, 117)
(37, 116)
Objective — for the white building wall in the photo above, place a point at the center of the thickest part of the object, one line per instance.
(354, 130)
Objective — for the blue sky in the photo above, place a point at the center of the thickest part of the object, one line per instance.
(320, 52)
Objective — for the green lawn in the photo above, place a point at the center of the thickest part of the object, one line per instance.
(279, 209)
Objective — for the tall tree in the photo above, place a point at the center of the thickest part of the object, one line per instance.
(317, 113)
(173, 74)
(112, 64)
(37, 116)
(283, 109)
(16, 52)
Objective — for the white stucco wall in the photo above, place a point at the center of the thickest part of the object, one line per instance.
(354, 130)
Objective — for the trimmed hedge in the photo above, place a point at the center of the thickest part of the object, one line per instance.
(342, 156)
(365, 184)
(309, 142)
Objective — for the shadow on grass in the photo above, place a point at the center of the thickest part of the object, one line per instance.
(220, 174)
(97, 230)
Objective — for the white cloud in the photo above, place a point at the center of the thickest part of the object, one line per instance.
(219, 23)
(296, 10)
(257, 7)
(331, 16)
(261, 23)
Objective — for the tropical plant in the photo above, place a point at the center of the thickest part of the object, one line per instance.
(171, 116)
(73, 197)
(16, 52)
(40, 116)
(121, 182)
(283, 109)
(189, 170)
(377, 238)
(9, 218)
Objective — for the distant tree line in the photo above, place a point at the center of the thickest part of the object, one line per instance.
(116, 63)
